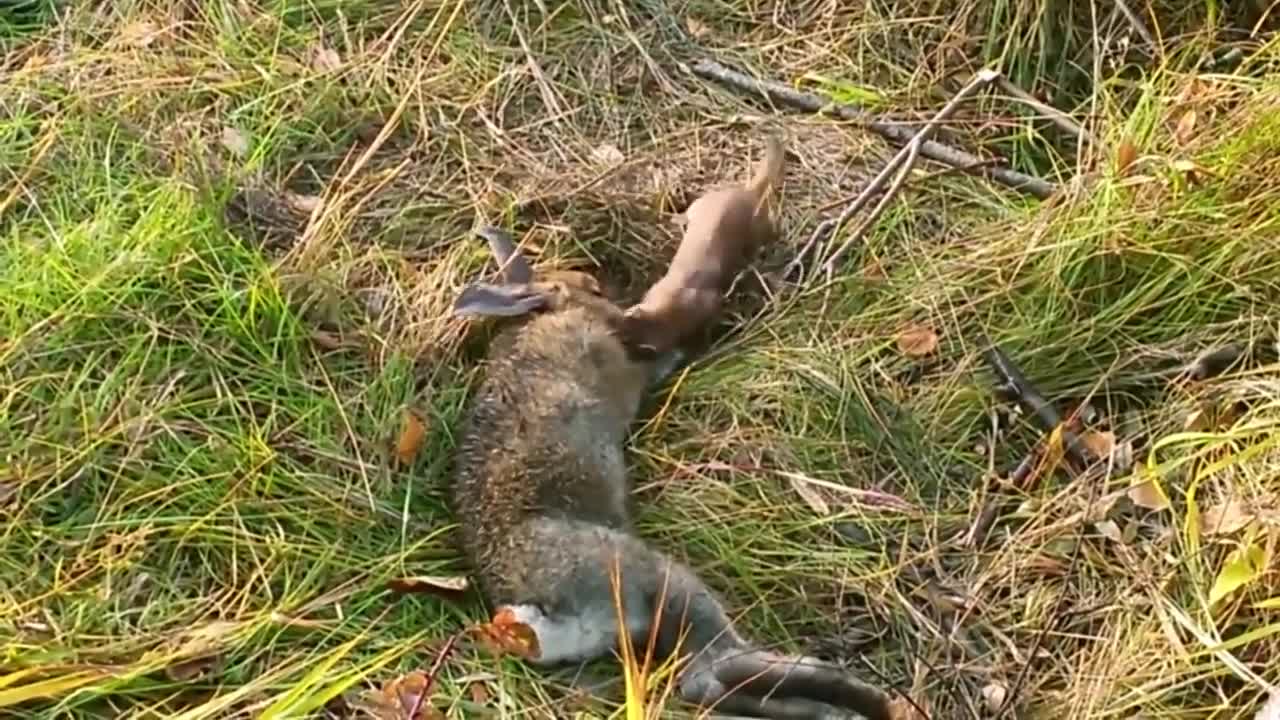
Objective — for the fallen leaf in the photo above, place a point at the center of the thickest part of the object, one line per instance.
(1099, 444)
(608, 154)
(917, 341)
(1226, 517)
(810, 495)
(305, 204)
(403, 698)
(192, 669)
(1185, 131)
(327, 340)
(139, 33)
(7, 492)
(1194, 172)
(1109, 530)
(1241, 567)
(1149, 494)
(873, 271)
(994, 694)
(504, 635)
(696, 27)
(900, 708)
(479, 693)
(325, 59)
(235, 141)
(430, 585)
(1126, 155)
(412, 434)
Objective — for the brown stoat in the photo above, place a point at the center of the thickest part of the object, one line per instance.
(724, 230)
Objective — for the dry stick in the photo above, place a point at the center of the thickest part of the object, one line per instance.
(1016, 384)
(1055, 115)
(896, 132)
(1136, 22)
(902, 162)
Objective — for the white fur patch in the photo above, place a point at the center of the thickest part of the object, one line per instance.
(568, 639)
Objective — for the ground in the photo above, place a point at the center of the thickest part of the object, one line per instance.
(231, 231)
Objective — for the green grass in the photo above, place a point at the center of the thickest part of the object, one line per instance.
(199, 504)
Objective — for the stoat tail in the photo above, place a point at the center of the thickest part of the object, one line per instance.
(768, 174)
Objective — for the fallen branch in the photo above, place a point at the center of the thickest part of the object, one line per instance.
(902, 162)
(1013, 382)
(896, 132)
(1059, 118)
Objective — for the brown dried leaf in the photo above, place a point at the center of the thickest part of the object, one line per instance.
(810, 495)
(696, 27)
(325, 59)
(193, 668)
(305, 204)
(139, 33)
(7, 492)
(917, 341)
(479, 693)
(1185, 131)
(994, 694)
(1226, 517)
(873, 271)
(900, 708)
(608, 154)
(412, 434)
(440, 585)
(504, 635)
(235, 141)
(1099, 444)
(1109, 530)
(1148, 494)
(1126, 155)
(402, 698)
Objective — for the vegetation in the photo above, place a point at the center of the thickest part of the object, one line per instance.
(230, 234)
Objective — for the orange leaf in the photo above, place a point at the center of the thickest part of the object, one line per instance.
(412, 433)
(1148, 494)
(917, 341)
(1185, 131)
(505, 635)
(1099, 444)
(402, 698)
(1126, 154)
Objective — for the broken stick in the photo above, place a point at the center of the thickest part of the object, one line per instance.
(902, 163)
(893, 131)
(1013, 382)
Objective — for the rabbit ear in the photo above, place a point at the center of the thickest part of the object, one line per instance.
(486, 300)
(515, 269)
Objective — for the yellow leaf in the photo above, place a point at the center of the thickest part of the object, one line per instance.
(51, 688)
(1241, 567)
(917, 341)
(1149, 494)
(412, 434)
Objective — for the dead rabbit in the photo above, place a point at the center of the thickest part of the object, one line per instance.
(541, 493)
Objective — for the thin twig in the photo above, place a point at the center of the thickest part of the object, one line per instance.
(1139, 26)
(903, 162)
(896, 132)
(1059, 118)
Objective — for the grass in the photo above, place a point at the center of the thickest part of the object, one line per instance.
(230, 233)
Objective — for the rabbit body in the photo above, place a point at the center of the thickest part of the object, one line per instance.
(541, 494)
